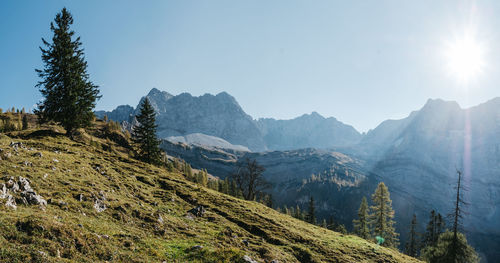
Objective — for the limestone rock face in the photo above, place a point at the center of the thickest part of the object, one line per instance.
(307, 131)
(221, 118)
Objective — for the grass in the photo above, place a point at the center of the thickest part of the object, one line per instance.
(95, 164)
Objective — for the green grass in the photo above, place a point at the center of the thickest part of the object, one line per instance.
(137, 194)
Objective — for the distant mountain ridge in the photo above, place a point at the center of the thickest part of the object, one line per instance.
(221, 116)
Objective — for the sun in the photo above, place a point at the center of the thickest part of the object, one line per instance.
(465, 58)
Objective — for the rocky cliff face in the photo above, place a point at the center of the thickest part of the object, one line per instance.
(418, 156)
(221, 116)
(308, 130)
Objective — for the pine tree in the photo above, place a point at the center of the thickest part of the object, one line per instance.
(25, 122)
(411, 244)
(381, 217)
(361, 227)
(331, 223)
(298, 213)
(69, 95)
(311, 214)
(435, 227)
(440, 253)
(144, 135)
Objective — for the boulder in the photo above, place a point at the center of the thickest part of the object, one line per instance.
(248, 259)
(11, 202)
(198, 211)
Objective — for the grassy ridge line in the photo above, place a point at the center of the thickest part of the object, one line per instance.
(145, 219)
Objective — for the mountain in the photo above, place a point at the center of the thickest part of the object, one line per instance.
(221, 116)
(307, 131)
(86, 200)
(207, 141)
(418, 157)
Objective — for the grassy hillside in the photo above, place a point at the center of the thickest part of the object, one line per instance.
(146, 217)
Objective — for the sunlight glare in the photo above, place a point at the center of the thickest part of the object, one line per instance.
(465, 58)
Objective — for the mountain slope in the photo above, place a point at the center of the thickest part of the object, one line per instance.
(418, 157)
(221, 116)
(104, 206)
(307, 131)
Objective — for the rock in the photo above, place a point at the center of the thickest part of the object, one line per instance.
(80, 197)
(38, 154)
(3, 191)
(245, 242)
(197, 247)
(33, 198)
(160, 219)
(55, 160)
(99, 205)
(275, 261)
(26, 163)
(24, 184)
(11, 202)
(12, 185)
(198, 211)
(45, 176)
(248, 259)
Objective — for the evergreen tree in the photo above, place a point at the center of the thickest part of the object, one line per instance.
(331, 223)
(324, 224)
(69, 95)
(341, 229)
(311, 214)
(381, 217)
(361, 227)
(25, 122)
(435, 227)
(441, 253)
(411, 246)
(298, 213)
(144, 135)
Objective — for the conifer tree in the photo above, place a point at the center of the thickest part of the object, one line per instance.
(331, 223)
(25, 122)
(441, 253)
(298, 213)
(144, 135)
(382, 215)
(411, 246)
(69, 95)
(361, 227)
(311, 214)
(434, 228)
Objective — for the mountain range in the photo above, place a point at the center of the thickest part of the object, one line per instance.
(221, 116)
(417, 157)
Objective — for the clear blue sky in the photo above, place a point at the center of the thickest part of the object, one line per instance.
(359, 61)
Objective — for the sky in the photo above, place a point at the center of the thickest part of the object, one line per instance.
(361, 62)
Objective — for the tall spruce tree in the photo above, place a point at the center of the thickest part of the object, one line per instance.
(311, 214)
(411, 247)
(361, 227)
(69, 95)
(435, 227)
(144, 135)
(382, 215)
